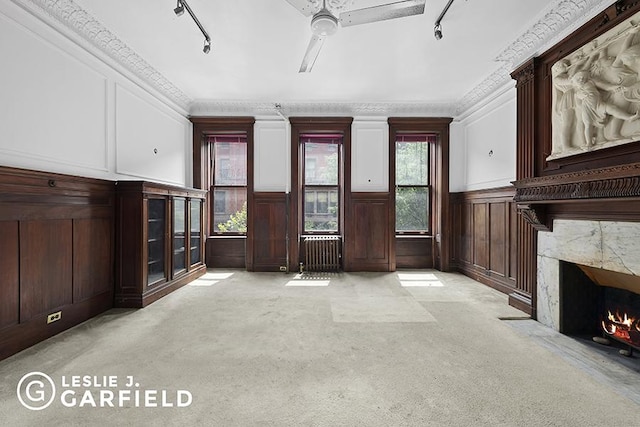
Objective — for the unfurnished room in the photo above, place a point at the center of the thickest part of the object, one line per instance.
(320, 212)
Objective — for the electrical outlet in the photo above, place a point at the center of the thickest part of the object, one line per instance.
(283, 268)
(54, 317)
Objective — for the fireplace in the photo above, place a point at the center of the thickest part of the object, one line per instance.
(600, 304)
(587, 269)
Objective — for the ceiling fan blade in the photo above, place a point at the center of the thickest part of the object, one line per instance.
(315, 44)
(304, 6)
(383, 12)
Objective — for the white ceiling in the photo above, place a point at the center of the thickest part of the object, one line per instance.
(258, 45)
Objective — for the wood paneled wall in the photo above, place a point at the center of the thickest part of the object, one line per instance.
(56, 241)
(226, 252)
(367, 233)
(484, 224)
(414, 251)
(268, 232)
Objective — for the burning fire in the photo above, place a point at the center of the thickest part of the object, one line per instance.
(622, 327)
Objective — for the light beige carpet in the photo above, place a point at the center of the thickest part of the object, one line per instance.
(364, 349)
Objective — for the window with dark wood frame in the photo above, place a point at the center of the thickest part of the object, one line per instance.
(315, 125)
(223, 250)
(228, 189)
(413, 182)
(322, 155)
(435, 245)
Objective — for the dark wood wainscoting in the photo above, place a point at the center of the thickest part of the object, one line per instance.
(267, 238)
(57, 245)
(226, 252)
(484, 225)
(368, 231)
(414, 252)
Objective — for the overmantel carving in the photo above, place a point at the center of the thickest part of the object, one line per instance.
(604, 183)
(596, 93)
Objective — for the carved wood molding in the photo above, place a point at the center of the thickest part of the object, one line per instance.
(524, 74)
(603, 183)
(536, 216)
(624, 5)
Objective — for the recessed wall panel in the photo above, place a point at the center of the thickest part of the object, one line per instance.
(53, 106)
(270, 160)
(150, 142)
(370, 158)
(45, 266)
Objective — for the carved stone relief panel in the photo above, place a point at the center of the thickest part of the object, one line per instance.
(596, 93)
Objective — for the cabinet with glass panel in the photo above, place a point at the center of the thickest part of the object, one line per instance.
(159, 240)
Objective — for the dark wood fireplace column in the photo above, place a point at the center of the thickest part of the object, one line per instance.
(524, 294)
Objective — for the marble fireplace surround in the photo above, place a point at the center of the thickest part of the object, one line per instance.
(608, 245)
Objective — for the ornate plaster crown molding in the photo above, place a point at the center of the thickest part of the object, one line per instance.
(558, 21)
(90, 30)
(383, 109)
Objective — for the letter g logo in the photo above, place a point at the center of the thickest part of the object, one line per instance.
(33, 390)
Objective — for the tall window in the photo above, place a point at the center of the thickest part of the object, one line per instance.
(412, 182)
(321, 182)
(229, 189)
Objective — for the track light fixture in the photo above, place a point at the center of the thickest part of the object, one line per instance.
(437, 32)
(179, 10)
(437, 28)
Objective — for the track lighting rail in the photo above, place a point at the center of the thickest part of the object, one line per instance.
(179, 10)
(437, 27)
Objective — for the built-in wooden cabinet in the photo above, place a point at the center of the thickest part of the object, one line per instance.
(158, 240)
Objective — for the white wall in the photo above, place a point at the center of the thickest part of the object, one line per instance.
(64, 110)
(369, 155)
(369, 163)
(483, 146)
(457, 158)
(271, 151)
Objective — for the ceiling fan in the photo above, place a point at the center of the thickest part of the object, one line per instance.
(324, 23)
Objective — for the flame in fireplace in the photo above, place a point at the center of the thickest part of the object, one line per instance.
(623, 327)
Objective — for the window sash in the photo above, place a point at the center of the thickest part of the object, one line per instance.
(412, 183)
(321, 209)
(413, 209)
(321, 195)
(228, 190)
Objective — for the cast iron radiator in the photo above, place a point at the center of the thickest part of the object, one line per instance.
(322, 253)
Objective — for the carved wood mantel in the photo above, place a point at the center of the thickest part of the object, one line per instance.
(603, 183)
(619, 184)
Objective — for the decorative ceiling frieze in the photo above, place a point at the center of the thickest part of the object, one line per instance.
(562, 17)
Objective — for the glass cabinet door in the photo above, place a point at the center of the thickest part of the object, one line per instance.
(196, 231)
(179, 234)
(156, 222)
